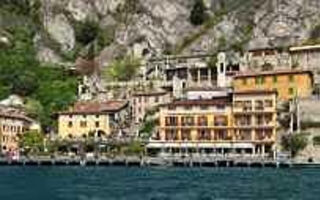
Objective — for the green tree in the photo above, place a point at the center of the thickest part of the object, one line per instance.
(86, 31)
(294, 143)
(198, 13)
(32, 142)
(34, 108)
(134, 148)
(122, 69)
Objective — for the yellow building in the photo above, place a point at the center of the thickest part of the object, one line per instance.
(288, 84)
(96, 118)
(216, 125)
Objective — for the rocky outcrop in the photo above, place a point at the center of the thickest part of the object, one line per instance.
(61, 31)
(158, 26)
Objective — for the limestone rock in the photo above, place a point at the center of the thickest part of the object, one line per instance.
(61, 31)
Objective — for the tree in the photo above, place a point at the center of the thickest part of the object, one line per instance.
(123, 69)
(134, 148)
(32, 141)
(198, 13)
(294, 143)
(34, 108)
(87, 31)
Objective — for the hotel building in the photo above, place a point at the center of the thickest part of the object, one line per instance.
(97, 118)
(229, 123)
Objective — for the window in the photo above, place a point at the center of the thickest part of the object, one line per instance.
(291, 78)
(84, 116)
(187, 121)
(97, 124)
(171, 108)
(202, 121)
(258, 105)
(204, 107)
(171, 121)
(187, 107)
(83, 124)
(269, 52)
(70, 124)
(275, 79)
(291, 91)
(220, 107)
(70, 116)
(244, 81)
(268, 103)
(156, 99)
(97, 116)
(238, 104)
(221, 67)
(220, 121)
(256, 53)
(260, 80)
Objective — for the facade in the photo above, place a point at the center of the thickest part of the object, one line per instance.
(97, 118)
(141, 102)
(12, 124)
(216, 125)
(255, 119)
(307, 57)
(268, 58)
(288, 84)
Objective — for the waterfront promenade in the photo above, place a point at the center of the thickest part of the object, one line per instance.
(155, 161)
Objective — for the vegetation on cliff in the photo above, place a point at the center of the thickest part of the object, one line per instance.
(48, 89)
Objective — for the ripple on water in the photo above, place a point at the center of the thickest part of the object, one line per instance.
(100, 183)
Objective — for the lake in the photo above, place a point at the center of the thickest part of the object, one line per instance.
(100, 183)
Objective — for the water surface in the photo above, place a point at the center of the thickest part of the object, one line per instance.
(99, 183)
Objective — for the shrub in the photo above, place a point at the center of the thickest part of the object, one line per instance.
(316, 140)
(123, 69)
(294, 143)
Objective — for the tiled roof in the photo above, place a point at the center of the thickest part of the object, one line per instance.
(96, 107)
(255, 92)
(201, 102)
(266, 73)
(9, 112)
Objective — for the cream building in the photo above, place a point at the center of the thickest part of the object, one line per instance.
(97, 118)
(142, 102)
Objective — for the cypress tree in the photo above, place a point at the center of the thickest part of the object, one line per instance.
(198, 14)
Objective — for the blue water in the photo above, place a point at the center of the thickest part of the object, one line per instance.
(80, 183)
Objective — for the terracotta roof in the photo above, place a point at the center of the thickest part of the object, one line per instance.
(8, 112)
(200, 102)
(96, 107)
(255, 92)
(266, 73)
